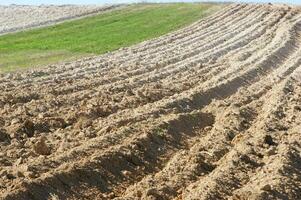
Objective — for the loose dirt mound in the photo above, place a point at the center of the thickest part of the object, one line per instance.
(212, 111)
(16, 18)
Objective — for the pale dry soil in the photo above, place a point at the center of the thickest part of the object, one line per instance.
(15, 18)
(212, 111)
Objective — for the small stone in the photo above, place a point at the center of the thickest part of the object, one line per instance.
(2, 122)
(4, 137)
(129, 92)
(109, 195)
(126, 173)
(40, 115)
(3, 173)
(24, 168)
(151, 192)
(19, 174)
(271, 151)
(41, 147)
(207, 128)
(269, 140)
(10, 176)
(54, 197)
(298, 108)
(15, 121)
(18, 161)
(139, 194)
(29, 128)
(29, 174)
(266, 188)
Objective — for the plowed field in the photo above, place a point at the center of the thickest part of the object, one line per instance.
(212, 111)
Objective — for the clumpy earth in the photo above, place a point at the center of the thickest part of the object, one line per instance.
(20, 17)
(212, 111)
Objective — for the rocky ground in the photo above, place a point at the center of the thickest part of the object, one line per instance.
(17, 17)
(212, 111)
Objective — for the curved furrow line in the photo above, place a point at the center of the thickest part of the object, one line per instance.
(196, 41)
(195, 27)
(261, 37)
(280, 54)
(197, 34)
(257, 45)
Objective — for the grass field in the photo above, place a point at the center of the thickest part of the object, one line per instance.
(96, 34)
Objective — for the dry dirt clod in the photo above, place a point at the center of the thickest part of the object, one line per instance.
(41, 148)
(266, 187)
(4, 137)
(29, 128)
(3, 173)
(126, 173)
(297, 107)
(269, 140)
(19, 174)
(18, 161)
(15, 121)
(271, 151)
(2, 122)
(10, 176)
(30, 174)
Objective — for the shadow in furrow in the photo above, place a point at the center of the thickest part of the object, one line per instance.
(114, 169)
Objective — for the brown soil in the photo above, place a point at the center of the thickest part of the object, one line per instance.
(212, 111)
